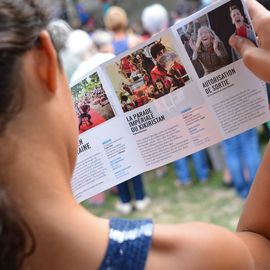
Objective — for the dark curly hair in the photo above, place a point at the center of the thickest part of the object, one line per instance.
(20, 24)
(17, 241)
(156, 48)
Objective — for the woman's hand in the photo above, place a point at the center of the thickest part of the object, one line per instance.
(256, 59)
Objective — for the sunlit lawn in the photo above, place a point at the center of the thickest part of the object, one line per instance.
(209, 202)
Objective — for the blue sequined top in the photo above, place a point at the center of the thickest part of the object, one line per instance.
(129, 243)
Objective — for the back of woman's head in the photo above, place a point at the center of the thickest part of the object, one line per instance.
(20, 24)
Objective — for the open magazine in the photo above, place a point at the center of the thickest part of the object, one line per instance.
(179, 92)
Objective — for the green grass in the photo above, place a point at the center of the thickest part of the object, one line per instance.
(208, 202)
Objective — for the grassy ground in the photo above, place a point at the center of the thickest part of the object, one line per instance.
(209, 202)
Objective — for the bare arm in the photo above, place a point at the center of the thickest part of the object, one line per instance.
(254, 225)
(197, 246)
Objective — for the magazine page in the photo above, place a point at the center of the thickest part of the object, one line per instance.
(236, 97)
(106, 155)
(165, 113)
(179, 92)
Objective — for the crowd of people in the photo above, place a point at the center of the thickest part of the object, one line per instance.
(39, 215)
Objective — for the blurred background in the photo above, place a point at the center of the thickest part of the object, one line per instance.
(79, 13)
(202, 187)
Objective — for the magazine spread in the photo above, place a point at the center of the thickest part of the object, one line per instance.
(181, 91)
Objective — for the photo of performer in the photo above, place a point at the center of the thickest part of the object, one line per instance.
(85, 122)
(127, 66)
(242, 28)
(174, 69)
(147, 74)
(210, 50)
(166, 65)
(91, 103)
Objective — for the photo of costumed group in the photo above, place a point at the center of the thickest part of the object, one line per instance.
(91, 103)
(206, 40)
(147, 74)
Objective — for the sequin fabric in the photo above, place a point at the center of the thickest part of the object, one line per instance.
(129, 243)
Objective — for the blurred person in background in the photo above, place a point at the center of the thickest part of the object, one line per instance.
(105, 5)
(61, 31)
(131, 193)
(82, 45)
(103, 41)
(182, 169)
(242, 157)
(116, 21)
(182, 10)
(155, 18)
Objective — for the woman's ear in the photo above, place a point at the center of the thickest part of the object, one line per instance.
(47, 62)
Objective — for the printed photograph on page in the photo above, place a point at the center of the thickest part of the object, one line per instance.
(91, 103)
(206, 38)
(148, 74)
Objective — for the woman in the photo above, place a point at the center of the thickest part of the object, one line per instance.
(116, 21)
(38, 158)
(210, 50)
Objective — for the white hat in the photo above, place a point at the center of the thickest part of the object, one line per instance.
(79, 42)
(59, 31)
(88, 65)
(155, 18)
(101, 38)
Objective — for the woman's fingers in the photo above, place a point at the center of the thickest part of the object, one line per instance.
(256, 59)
